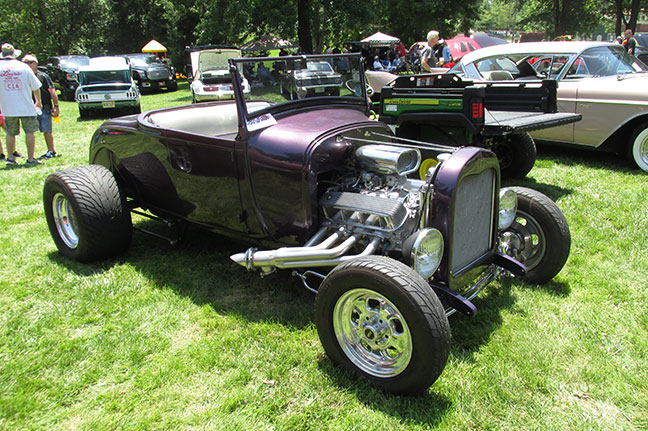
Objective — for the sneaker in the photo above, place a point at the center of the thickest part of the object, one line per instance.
(11, 162)
(33, 162)
(49, 155)
(17, 154)
(2, 156)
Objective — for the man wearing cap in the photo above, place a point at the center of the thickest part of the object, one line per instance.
(50, 103)
(17, 85)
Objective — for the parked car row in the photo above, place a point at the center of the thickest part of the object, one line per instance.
(112, 82)
(596, 79)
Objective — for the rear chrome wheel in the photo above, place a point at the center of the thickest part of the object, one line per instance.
(65, 220)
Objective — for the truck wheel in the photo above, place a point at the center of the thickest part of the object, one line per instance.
(378, 318)
(638, 150)
(86, 213)
(516, 154)
(539, 237)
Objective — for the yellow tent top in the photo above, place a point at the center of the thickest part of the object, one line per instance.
(154, 46)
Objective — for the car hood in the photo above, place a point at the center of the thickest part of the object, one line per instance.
(212, 59)
(293, 136)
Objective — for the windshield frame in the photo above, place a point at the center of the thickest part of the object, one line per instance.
(359, 99)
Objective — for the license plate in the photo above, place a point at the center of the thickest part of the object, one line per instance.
(108, 104)
(319, 90)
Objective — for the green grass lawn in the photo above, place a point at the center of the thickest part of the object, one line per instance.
(181, 338)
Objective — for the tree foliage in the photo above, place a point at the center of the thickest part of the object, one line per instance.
(99, 27)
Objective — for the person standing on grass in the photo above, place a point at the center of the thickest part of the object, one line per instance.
(17, 85)
(50, 103)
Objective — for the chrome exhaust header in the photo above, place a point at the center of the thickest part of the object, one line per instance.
(319, 250)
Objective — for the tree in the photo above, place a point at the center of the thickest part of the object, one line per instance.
(560, 17)
(54, 27)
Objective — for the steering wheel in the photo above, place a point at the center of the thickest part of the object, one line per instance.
(351, 85)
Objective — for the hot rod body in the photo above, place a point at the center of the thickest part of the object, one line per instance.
(315, 186)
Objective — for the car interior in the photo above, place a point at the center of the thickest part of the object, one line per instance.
(209, 120)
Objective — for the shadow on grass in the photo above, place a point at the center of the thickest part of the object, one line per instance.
(551, 190)
(199, 268)
(80, 268)
(426, 409)
(571, 156)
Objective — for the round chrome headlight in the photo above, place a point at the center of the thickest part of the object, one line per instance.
(427, 252)
(507, 208)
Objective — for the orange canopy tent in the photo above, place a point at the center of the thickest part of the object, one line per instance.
(154, 47)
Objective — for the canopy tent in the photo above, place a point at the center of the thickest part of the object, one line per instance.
(154, 47)
(380, 39)
(266, 43)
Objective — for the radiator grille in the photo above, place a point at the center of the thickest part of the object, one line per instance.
(158, 74)
(472, 228)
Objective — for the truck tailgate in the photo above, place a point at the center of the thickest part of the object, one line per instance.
(501, 123)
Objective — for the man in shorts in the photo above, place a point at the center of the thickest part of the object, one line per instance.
(50, 103)
(17, 85)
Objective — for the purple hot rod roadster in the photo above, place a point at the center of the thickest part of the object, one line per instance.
(315, 186)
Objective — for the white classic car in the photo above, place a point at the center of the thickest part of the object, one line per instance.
(596, 79)
(107, 83)
(211, 75)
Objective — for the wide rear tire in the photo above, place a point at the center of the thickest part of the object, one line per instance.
(86, 213)
(378, 318)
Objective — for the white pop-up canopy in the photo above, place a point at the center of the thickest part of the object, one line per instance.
(381, 39)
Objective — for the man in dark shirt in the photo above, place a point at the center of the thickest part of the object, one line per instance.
(630, 42)
(50, 105)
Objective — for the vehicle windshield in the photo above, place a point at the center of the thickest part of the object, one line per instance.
(104, 77)
(604, 61)
(144, 60)
(283, 79)
(74, 62)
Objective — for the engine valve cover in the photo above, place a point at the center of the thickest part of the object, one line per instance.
(356, 209)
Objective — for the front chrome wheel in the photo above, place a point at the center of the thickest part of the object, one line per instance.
(372, 333)
(539, 237)
(65, 221)
(525, 240)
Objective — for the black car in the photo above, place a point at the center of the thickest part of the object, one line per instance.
(64, 71)
(151, 73)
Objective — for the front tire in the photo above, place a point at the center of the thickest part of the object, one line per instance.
(381, 320)
(539, 237)
(638, 150)
(516, 154)
(86, 213)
